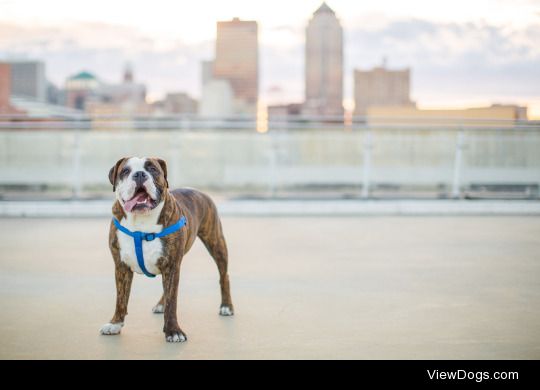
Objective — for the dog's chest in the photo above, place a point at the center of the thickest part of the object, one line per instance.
(152, 250)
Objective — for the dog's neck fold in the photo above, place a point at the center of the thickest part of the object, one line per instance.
(147, 221)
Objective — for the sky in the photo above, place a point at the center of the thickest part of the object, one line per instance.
(461, 52)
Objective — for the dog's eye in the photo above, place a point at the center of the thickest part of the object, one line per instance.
(124, 172)
(152, 168)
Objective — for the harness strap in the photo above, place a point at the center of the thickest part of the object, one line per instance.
(138, 238)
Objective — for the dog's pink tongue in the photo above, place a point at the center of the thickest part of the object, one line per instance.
(129, 204)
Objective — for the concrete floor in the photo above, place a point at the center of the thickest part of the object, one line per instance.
(368, 288)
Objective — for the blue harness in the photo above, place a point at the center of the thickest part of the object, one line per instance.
(138, 237)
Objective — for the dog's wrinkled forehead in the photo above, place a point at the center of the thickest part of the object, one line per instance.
(145, 164)
(136, 164)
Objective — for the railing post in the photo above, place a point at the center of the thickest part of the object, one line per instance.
(367, 149)
(272, 156)
(182, 122)
(77, 182)
(458, 162)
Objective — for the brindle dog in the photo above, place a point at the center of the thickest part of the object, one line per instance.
(145, 203)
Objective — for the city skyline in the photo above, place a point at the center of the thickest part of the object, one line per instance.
(467, 54)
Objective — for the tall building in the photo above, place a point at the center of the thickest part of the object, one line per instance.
(237, 62)
(207, 72)
(5, 87)
(217, 100)
(28, 80)
(500, 115)
(324, 64)
(55, 95)
(6, 107)
(127, 93)
(381, 87)
(79, 89)
(128, 74)
(180, 103)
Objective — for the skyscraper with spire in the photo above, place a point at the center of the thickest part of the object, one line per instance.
(324, 64)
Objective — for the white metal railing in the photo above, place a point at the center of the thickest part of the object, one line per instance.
(361, 157)
(196, 122)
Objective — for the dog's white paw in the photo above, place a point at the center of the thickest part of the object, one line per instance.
(158, 309)
(176, 338)
(226, 311)
(111, 329)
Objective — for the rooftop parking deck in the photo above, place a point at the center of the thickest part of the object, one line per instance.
(312, 287)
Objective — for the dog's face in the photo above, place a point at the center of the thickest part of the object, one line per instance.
(139, 183)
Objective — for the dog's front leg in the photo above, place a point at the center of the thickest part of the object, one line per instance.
(171, 278)
(124, 277)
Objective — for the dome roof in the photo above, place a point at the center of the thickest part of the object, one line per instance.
(83, 76)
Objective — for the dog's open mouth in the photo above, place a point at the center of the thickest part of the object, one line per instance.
(140, 201)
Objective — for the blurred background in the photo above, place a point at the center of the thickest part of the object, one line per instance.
(281, 99)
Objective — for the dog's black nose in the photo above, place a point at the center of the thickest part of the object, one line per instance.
(140, 177)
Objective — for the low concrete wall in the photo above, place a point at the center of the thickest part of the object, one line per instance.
(245, 160)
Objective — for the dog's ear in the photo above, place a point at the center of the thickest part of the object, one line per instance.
(163, 166)
(113, 173)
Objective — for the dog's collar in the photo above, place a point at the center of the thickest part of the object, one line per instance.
(138, 237)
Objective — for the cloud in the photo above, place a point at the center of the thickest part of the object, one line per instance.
(104, 50)
(449, 61)
(454, 59)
